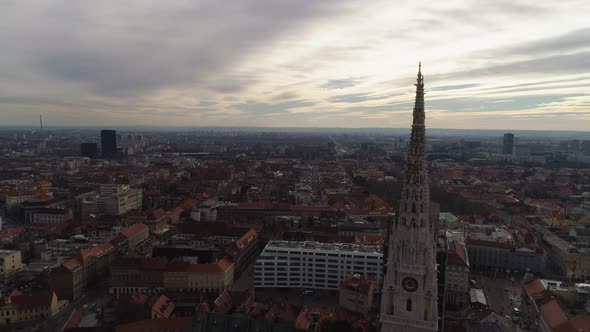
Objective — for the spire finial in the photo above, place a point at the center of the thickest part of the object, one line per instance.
(419, 72)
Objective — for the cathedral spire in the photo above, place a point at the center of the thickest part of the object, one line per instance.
(409, 299)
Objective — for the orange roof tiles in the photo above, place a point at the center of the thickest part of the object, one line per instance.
(364, 238)
(8, 232)
(133, 229)
(157, 214)
(33, 300)
(534, 287)
(580, 324)
(220, 266)
(179, 324)
(96, 251)
(553, 315)
(242, 241)
(72, 264)
(163, 306)
(459, 256)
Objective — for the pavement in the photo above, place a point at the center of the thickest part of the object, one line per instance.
(499, 292)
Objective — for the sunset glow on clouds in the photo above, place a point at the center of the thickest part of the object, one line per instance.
(329, 63)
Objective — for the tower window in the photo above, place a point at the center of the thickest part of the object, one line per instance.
(409, 305)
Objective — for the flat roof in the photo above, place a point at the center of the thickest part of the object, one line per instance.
(312, 245)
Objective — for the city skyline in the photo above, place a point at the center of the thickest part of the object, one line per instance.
(293, 64)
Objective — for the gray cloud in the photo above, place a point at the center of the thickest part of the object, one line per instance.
(549, 65)
(454, 87)
(114, 50)
(571, 41)
(285, 95)
(253, 108)
(341, 83)
(355, 98)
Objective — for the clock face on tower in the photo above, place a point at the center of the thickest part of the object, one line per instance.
(410, 284)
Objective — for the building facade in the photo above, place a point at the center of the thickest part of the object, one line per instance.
(19, 307)
(356, 294)
(132, 275)
(108, 143)
(70, 279)
(10, 263)
(457, 276)
(508, 144)
(121, 202)
(51, 216)
(409, 296)
(314, 265)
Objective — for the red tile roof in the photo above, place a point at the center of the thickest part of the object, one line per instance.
(72, 264)
(158, 214)
(580, 324)
(364, 238)
(178, 324)
(129, 231)
(24, 301)
(96, 251)
(220, 266)
(534, 287)
(459, 256)
(163, 306)
(8, 232)
(245, 239)
(553, 315)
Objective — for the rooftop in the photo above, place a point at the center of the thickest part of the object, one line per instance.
(314, 246)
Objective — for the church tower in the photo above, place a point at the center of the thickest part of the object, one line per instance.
(409, 298)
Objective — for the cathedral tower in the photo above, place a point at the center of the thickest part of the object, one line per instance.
(409, 298)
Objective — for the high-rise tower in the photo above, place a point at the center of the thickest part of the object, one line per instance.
(409, 298)
(108, 143)
(508, 147)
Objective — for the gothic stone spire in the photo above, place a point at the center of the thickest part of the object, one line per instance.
(409, 288)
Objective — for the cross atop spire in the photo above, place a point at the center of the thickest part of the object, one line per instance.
(419, 73)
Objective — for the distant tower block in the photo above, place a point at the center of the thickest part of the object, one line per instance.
(508, 147)
(108, 143)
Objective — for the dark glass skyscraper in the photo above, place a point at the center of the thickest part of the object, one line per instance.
(108, 143)
(508, 143)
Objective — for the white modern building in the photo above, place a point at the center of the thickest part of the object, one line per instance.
(314, 265)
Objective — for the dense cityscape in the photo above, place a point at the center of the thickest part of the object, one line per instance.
(228, 229)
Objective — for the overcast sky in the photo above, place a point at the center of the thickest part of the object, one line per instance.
(331, 63)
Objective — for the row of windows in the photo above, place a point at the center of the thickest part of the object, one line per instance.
(316, 254)
(310, 262)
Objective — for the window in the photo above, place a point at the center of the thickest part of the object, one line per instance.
(409, 305)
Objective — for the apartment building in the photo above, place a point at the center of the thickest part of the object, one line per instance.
(131, 275)
(314, 265)
(10, 263)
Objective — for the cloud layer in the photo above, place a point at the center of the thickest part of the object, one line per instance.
(330, 63)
